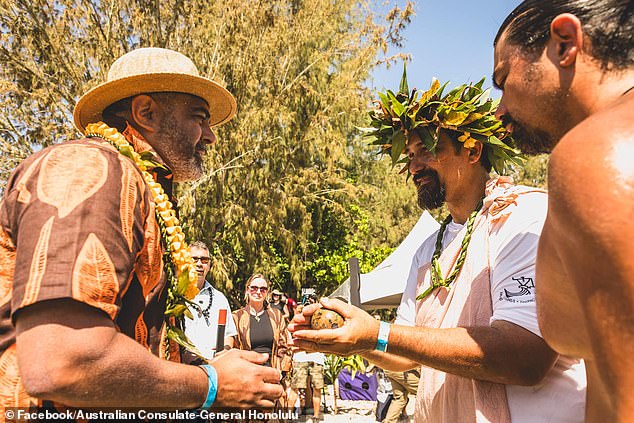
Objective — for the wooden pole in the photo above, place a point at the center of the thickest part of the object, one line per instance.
(355, 282)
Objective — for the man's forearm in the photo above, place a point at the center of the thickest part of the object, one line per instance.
(505, 354)
(71, 353)
(502, 353)
(389, 361)
(125, 375)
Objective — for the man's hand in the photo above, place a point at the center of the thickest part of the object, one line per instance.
(244, 382)
(357, 335)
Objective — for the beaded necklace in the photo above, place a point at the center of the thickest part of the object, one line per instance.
(436, 273)
(204, 312)
(180, 269)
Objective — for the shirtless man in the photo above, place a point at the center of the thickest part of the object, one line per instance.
(566, 69)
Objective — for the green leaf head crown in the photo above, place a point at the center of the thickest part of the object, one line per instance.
(466, 110)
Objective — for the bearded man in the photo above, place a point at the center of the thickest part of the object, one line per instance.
(467, 318)
(85, 280)
(566, 69)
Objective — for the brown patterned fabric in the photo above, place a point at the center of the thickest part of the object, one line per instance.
(281, 354)
(77, 221)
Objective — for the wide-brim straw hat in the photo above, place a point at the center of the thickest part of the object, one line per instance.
(153, 70)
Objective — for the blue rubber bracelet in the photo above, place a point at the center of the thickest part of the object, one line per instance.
(384, 333)
(212, 389)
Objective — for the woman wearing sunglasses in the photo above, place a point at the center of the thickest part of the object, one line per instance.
(262, 328)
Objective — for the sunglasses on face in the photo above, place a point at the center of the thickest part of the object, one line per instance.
(203, 260)
(254, 289)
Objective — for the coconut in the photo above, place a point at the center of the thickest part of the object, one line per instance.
(326, 319)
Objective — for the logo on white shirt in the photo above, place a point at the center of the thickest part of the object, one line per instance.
(526, 286)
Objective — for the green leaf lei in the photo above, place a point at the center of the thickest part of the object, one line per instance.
(435, 272)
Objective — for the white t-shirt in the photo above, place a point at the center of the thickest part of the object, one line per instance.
(201, 333)
(560, 397)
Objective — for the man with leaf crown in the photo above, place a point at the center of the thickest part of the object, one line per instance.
(467, 317)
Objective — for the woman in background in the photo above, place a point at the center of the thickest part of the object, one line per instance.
(262, 328)
(278, 301)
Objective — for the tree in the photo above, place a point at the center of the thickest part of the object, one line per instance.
(289, 179)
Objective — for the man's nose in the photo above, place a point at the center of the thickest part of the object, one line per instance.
(409, 152)
(208, 136)
(501, 110)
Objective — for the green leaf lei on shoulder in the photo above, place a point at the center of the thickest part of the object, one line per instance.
(436, 273)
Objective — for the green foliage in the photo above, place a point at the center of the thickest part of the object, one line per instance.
(330, 267)
(334, 364)
(533, 173)
(466, 109)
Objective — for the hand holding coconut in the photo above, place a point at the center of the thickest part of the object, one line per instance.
(335, 327)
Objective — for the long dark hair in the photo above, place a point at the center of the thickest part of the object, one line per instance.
(609, 25)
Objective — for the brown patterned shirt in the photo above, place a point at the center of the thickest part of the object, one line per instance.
(77, 221)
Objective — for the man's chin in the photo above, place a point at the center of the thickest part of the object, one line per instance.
(430, 203)
(188, 173)
(429, 206)
(534, 143)
(430, 198)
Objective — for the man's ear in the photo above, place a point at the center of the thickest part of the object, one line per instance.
(475, 152)
(566, 38)
(144, 111)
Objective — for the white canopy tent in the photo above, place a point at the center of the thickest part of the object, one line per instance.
(384, 285)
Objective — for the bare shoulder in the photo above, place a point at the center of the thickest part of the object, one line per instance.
(591, 186)
(591, 172)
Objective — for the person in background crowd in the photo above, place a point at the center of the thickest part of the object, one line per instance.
(203, 328)
(308, 375)
(308, 372)
(262, 328)
(291, 304)
(278, 302)
(403, 384)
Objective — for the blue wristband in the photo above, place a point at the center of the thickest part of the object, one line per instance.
(212, 389)
(384, 333)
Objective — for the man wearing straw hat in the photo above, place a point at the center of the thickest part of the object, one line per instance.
(94, 268)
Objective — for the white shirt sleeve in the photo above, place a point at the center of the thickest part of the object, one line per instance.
(406, 312)
(513, 256)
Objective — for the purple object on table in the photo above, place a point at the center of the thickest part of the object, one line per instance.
(361, 388)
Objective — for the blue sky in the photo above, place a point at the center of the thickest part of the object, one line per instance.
(450, 40)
